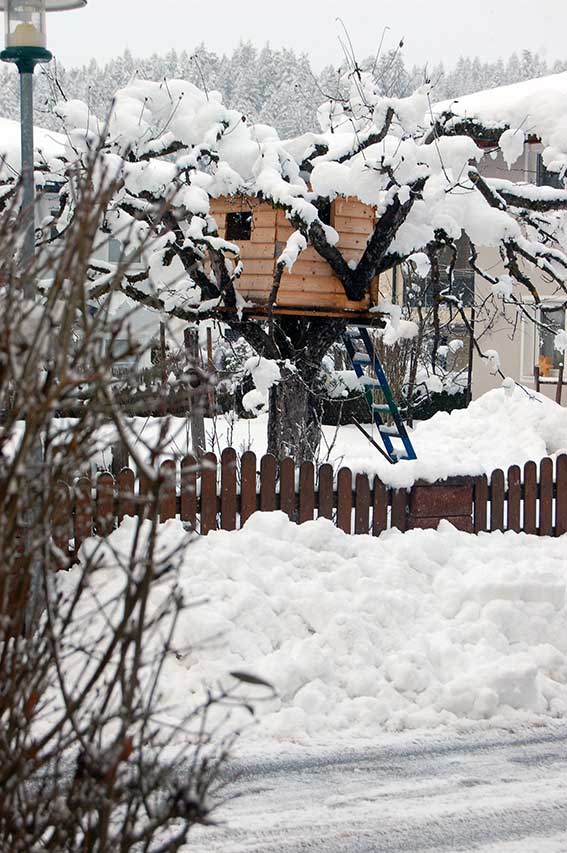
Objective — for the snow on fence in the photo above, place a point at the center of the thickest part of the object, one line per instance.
(223, 495)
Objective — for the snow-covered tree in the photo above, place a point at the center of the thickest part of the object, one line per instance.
(175, 147)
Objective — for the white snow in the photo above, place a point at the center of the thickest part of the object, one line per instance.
(48, 147)
(360, 635)
(265, 372)
(506, 426)
(536, 106)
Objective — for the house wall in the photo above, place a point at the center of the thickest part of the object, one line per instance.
(503, 326)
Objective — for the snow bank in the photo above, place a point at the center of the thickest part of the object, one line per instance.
(505, 426)
(361, 635)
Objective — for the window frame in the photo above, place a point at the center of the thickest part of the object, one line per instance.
(549, 305)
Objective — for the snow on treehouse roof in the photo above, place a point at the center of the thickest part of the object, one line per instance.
(537, 108)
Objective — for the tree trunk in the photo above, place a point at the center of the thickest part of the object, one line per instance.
(294, 423)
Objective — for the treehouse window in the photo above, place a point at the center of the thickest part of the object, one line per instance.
(239, 226)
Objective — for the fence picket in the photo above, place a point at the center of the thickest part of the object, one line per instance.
(379, 507)
(208, 493)
(167, 505)
(189, 490)
(497, 492)
(325, 488)
(530, 498)
(83, 511)
(399, 509)
(561, 500)
(481, 503)
(306, 492)
(228, 489)
(361, 504)
(344, 500)
(514, 499)
(268, 477)
(126, 483)
(287, 487)
(546, 497)
(247, 486)
(146, 496)
(104, 514)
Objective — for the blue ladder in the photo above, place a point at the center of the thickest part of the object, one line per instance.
(359, 359)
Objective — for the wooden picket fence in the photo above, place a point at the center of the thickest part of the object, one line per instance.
(223, 495)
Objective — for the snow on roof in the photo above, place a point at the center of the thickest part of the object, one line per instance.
(536, 107)
(48, 145)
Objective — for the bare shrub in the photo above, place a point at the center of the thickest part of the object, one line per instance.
(85, 763)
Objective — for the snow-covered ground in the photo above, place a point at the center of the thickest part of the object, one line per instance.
(500, 793)
(506, 426)
(362, 636)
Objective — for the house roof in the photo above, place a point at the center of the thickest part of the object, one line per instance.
(536, 107)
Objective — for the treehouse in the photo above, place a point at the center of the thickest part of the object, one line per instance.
(311, 288)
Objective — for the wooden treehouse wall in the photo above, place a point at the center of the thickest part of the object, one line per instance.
(311, 286)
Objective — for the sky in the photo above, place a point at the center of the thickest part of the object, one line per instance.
(433, 30)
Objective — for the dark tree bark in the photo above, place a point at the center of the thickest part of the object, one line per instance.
(294, 421)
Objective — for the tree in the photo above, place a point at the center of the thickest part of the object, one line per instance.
(169, 142)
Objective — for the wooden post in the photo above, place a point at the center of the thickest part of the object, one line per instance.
(196, 415)
(120, 457)
(163, 357)
(559, 389)
(210, 369)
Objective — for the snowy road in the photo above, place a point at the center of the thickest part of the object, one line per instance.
(495, 792)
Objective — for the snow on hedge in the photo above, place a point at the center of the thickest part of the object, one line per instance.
(361, 635)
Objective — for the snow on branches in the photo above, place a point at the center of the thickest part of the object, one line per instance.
(174, 148)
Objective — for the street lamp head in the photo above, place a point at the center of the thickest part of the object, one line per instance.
(26, 35)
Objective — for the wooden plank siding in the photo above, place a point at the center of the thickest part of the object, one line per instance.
(311, 285)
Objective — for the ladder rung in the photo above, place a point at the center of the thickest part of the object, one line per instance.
(354, 335)
(380, 407)
(371, 381)
(361, 358)
(389, 430)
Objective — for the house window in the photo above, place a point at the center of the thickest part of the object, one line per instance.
(114, 250)
(550, 359)
(545, 178)
(239, 226)
(419, 291)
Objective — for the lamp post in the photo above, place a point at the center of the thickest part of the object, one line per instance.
(26, 46)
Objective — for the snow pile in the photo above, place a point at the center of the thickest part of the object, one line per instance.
(506, 426)
(360, 635)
